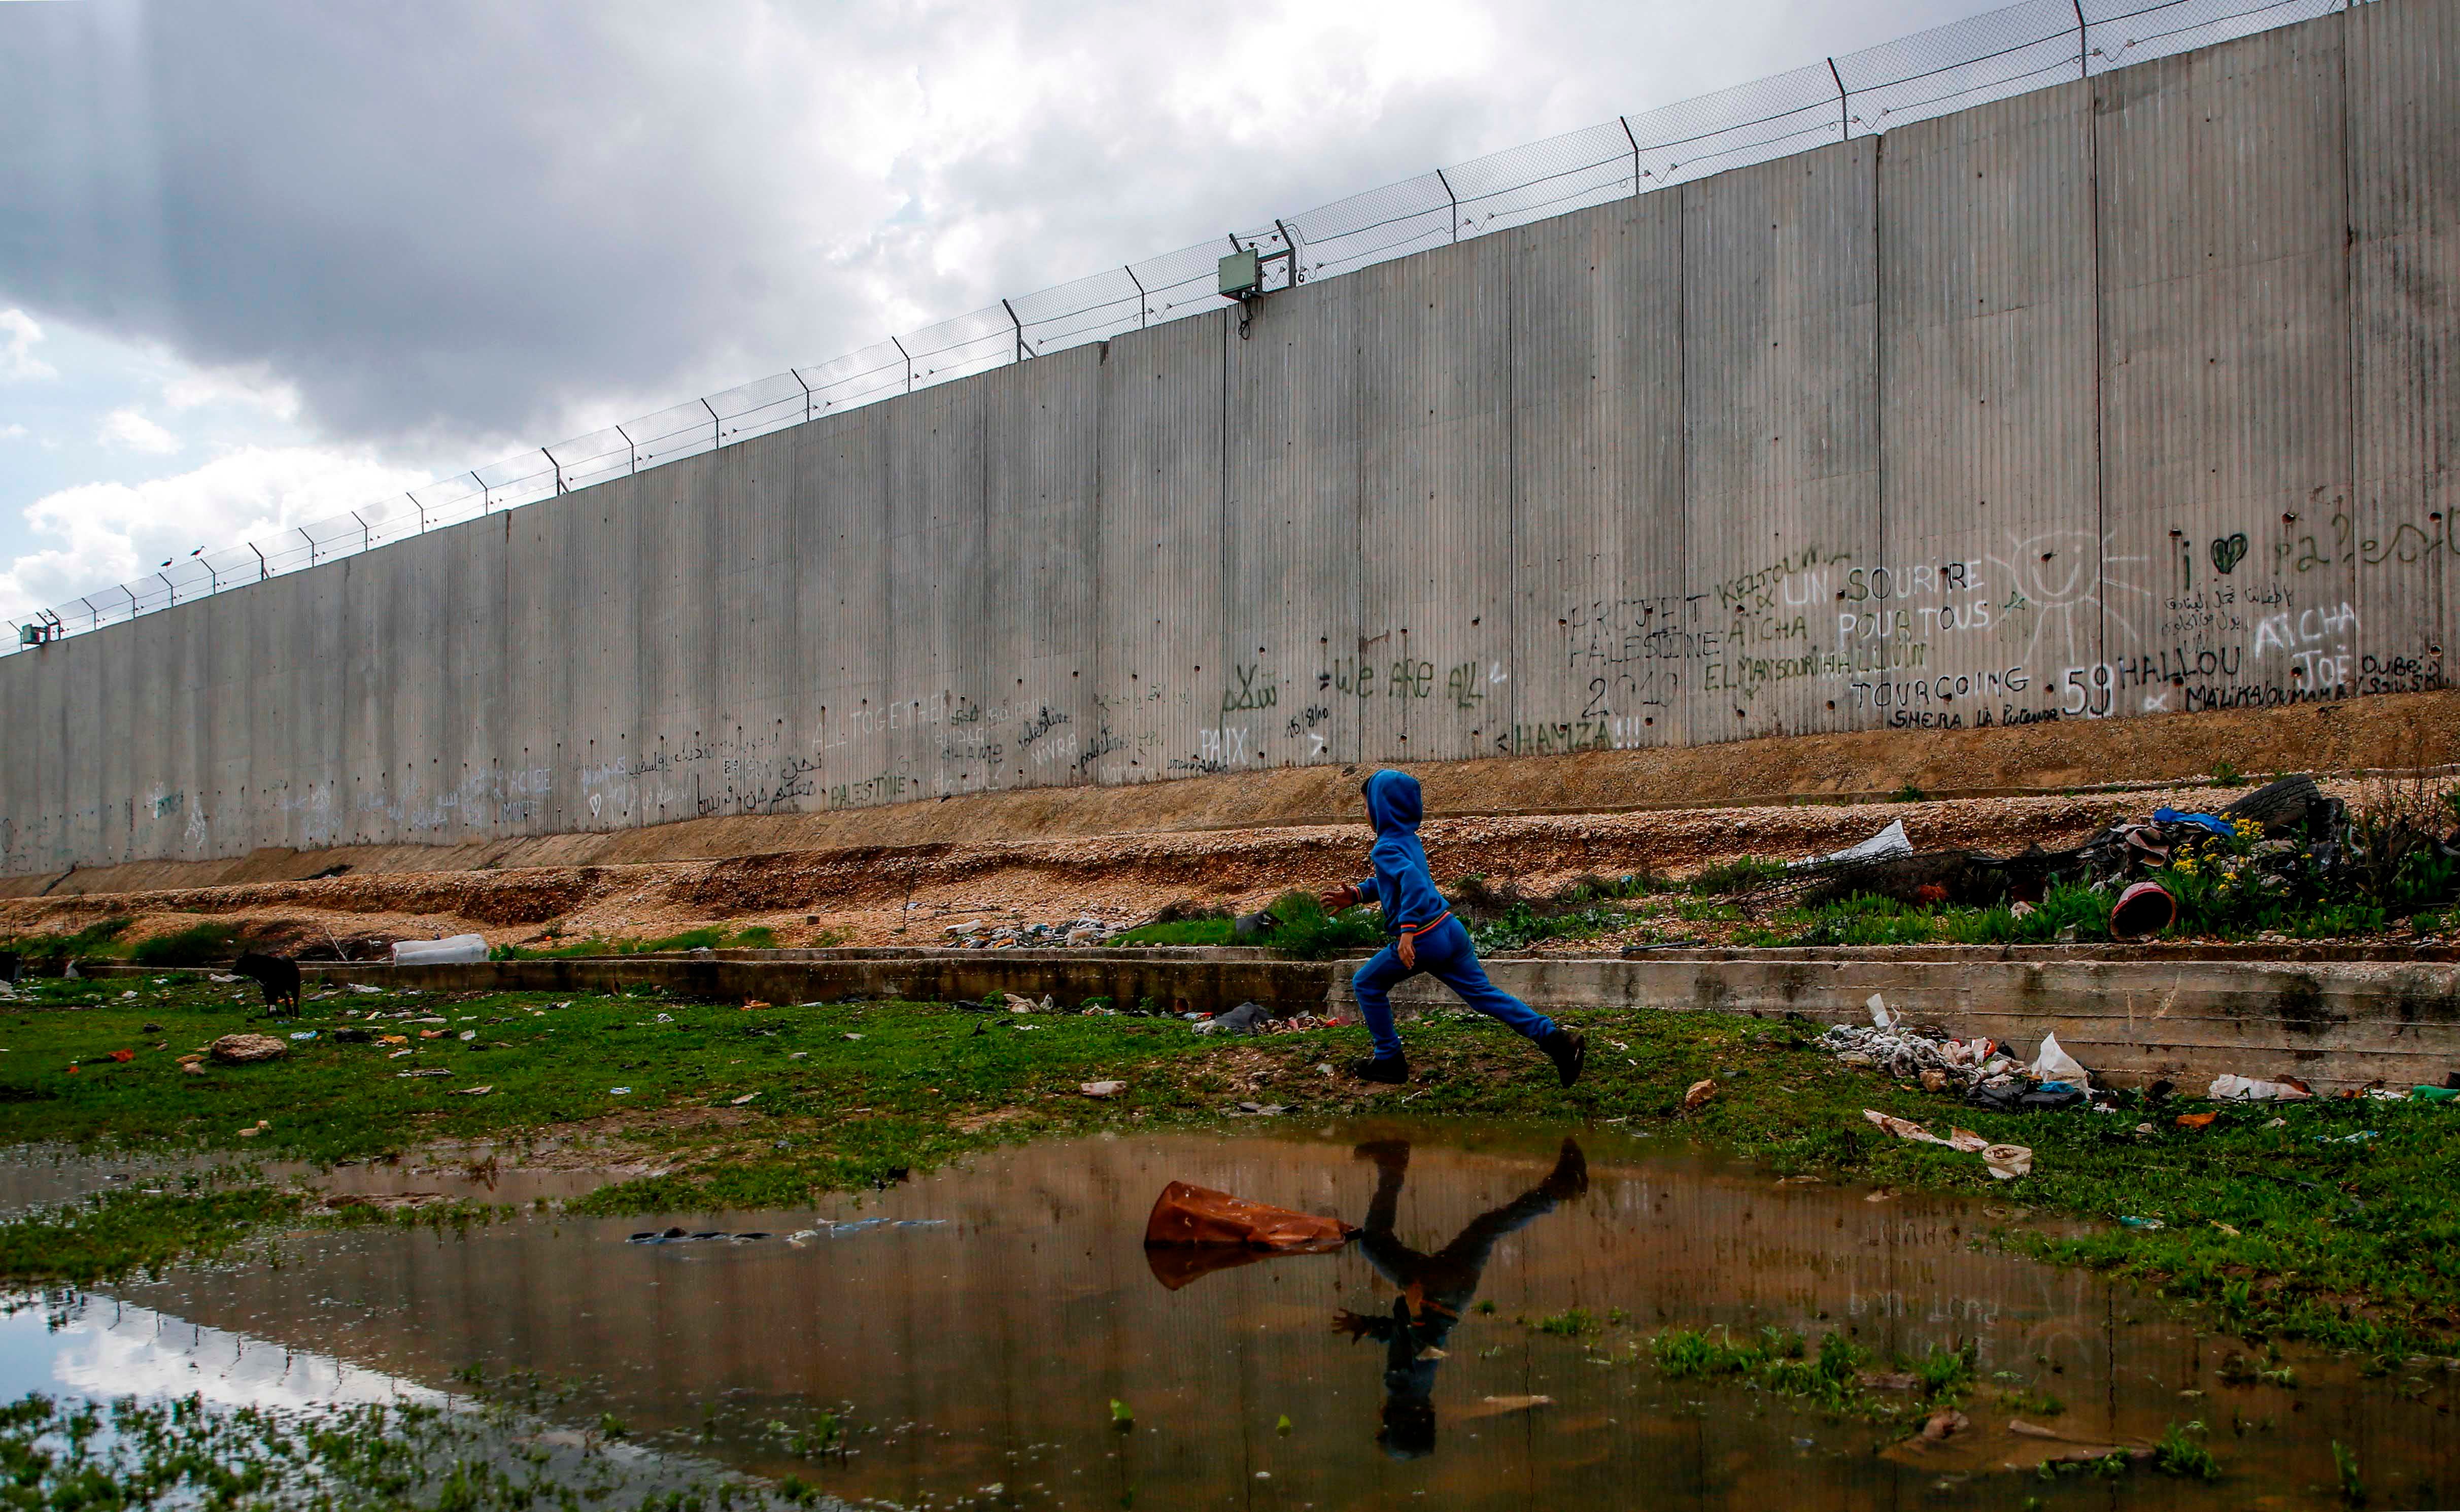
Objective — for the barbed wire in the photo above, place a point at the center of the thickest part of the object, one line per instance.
(1948, 68)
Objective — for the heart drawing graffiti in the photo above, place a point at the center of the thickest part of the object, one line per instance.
(2228, 551)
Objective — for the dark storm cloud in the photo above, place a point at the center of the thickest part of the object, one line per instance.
(458, 220)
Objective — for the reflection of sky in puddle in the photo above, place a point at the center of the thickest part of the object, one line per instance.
(986, 1347)
(100, 1347)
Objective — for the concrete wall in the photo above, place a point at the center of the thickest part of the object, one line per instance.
(2127, 396)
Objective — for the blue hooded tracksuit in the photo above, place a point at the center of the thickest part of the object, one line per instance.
(1406, 891)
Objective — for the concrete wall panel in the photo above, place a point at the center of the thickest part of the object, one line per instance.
(1160, 589)
(1597, 652)
(1782, 414)
(2403, 172)
(1293, 636)
(1988, 546)
(2228, 553)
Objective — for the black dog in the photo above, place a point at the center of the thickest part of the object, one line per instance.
(278, 975)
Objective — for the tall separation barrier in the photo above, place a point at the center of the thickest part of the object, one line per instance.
(2130, 396)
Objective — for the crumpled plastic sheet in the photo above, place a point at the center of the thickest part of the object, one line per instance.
(1904, 1053)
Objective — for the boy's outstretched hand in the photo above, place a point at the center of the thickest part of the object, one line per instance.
(1336, 898)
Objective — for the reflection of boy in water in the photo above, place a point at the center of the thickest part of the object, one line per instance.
(1435, 1289)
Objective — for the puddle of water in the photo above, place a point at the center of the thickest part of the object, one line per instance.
(984, 1348)
(35, 1176)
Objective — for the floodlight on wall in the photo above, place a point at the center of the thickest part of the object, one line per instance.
(45, 629)
(1242, 275)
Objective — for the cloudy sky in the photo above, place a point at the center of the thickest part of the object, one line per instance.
(262, 262)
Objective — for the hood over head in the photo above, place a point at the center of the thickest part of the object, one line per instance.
(1393, 801)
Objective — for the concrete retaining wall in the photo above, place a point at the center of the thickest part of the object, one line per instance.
(2334, 1023)
(2125, 397)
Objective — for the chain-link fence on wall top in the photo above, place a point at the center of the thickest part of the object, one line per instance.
(1985, 58)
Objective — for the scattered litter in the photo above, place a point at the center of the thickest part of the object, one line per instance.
(305, 1033)
(398, 1054)
(1890, 841)
(1964, 1140)
(240, 1050)
(2434, 1094)
(2198, 1120)
(1103, 1088)
(665, 1018)
(850, 1034)
(1945, 1423)
(354, 987)
(2246, 1089)
(223, 976)
(1027, 1005)
(618, 1092)
(1247, 1018)
(1262, 1110)
(740, 1102)
(1698, 1093)
(803, 1236)
(475, 1092)
(123, 1056)
(2143, 911)
(1880, 1018)
(437, 1071)
(1889, 1380)
(2359, 1138)
(457, 951)
(684, 1236)
(2277, 1124)
(1498, 1406)
(2007, 1161)
(2056, 1065)
(1194, 1231)
(2145, 1223)
(467, 1035)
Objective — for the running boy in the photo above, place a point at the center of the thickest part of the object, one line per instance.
(1426, 937)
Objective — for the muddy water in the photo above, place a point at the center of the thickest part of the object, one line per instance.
(979, 1336)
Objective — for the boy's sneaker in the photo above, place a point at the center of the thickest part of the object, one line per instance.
(1568, 1051)
(1390, 1070)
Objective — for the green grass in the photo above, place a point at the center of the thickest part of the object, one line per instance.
(198, 945)
(45, 952)
(125, 1231)
(2267, 1232)
(711, 937)
(1867, 919)
(2180, 1451)
(481, 1457)
(1303, 929)
(1777, 1361)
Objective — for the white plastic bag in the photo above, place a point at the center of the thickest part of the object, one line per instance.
(459, 950)
(1890, 841)
(2054, 1064)
(2246, 1089)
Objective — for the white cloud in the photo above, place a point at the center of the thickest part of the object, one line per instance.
(12, 433)
(18, 334)
(253, 387)
(131, 428)
(97, 534)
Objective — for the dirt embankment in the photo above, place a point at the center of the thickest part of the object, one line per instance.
(898, 875)
(882, 895)
(2400, 731)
